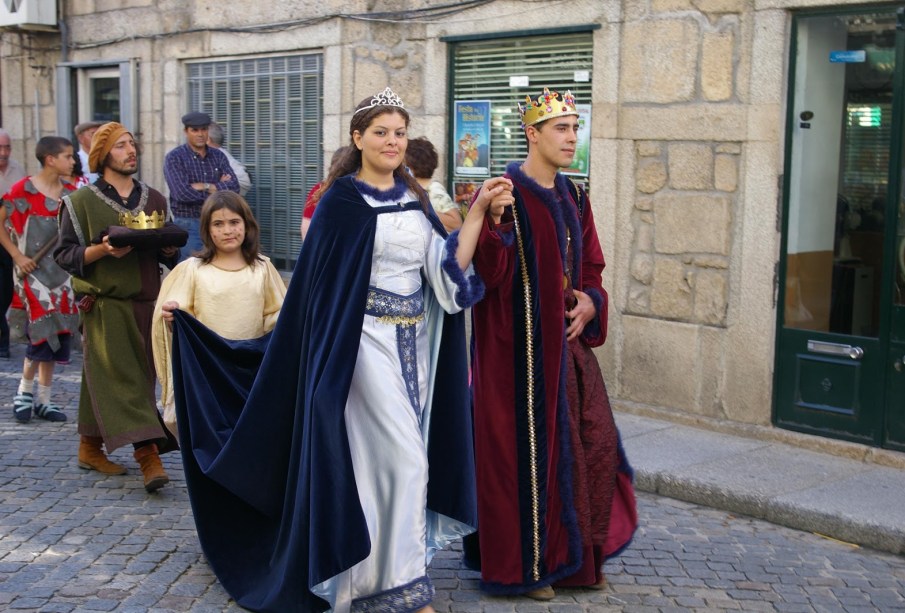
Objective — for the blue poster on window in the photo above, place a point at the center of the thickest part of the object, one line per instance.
(858, 56)
(471, 145)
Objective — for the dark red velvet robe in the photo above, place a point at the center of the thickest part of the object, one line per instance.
(564, 455)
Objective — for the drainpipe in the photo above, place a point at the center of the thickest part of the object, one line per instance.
(64, 49)
(64, 33)
(37, 115)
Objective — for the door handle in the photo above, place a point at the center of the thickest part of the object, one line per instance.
(849, 351)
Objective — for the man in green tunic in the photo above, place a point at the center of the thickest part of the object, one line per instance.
(118, 287)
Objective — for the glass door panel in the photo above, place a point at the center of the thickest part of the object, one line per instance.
(104, 94)
(839, 167)
(99, 94)
(830, 351)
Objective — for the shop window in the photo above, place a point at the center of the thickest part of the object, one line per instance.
(498, 72)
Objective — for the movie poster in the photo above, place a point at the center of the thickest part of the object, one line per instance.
(582, 161)
(471, 142)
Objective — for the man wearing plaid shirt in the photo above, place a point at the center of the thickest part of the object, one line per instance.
(193, 171)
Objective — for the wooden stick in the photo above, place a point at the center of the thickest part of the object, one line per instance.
(43, 251)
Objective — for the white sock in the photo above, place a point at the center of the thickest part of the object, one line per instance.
(43, 394)
(26, 386)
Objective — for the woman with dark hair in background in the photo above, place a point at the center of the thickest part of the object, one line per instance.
(421, 158)
(77, 177)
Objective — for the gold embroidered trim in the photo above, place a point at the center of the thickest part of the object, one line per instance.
(532, 433)
(400, 320)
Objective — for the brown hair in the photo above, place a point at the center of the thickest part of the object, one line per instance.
(235, 203)
(537, 126)
(421, 157)
(51, 145)
(349, 160)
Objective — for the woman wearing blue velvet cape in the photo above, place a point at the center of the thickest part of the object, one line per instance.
(327, 463)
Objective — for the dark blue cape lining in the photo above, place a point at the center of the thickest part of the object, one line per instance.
(262, 424)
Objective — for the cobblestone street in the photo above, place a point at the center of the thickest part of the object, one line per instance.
(74, 540)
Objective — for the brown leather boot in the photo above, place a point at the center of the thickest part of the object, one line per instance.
(92, 457)
(542, 593)
(600, 585)
(149, 460)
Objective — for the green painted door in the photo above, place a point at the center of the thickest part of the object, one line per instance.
(835, 370)
(894, 427)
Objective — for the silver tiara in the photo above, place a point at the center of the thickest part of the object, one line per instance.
(385, 98)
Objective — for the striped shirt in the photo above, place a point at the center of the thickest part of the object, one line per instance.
(182, 167)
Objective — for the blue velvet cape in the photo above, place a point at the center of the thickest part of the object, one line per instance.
(262, 427)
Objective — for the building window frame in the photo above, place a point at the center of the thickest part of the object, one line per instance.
(72, 81)
(551, 69)
(271, 111)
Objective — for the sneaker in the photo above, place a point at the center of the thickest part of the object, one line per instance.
(50, 412)
(22, 405)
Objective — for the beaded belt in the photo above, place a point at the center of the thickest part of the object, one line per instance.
(403, 312)
(390, 308)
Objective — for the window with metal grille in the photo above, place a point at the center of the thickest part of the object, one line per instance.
(270, 109)
(481, 70)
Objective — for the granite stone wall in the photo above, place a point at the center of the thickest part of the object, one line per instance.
(686, 153)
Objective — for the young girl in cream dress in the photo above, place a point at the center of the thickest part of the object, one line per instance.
(229, 286)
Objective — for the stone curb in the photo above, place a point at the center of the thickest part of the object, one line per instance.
(789, 513)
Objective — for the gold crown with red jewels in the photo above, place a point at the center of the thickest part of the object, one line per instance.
(547, 106)
(142, 221)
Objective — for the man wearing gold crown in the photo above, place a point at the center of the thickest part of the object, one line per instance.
(118, 288)
(554, 488)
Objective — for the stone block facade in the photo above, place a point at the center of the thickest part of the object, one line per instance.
(687, 146)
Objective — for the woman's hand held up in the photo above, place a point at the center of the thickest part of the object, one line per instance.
(494, 197)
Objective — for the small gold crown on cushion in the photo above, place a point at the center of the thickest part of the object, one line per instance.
(385, 98)
(547, 106)
(142, 221)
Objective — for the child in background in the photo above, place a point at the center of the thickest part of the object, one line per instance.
(77, 178)
(231, 288)
(421, 158)
(44, 307)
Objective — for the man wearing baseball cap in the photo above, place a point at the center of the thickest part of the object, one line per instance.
(84, 132)
(193, 171)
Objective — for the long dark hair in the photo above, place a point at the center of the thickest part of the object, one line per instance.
(350, 160)
(230, 201)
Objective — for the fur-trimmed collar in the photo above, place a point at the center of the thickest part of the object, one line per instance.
(394, 193)
(563, 210)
